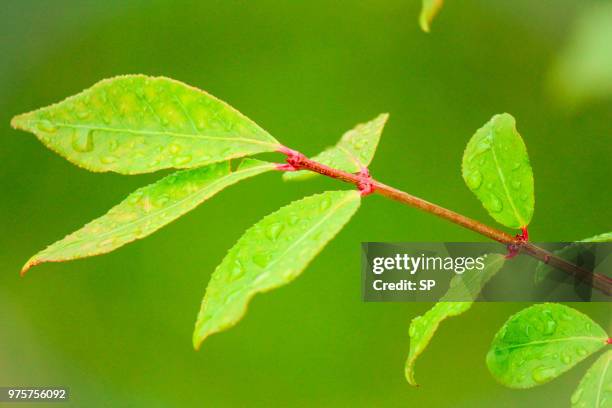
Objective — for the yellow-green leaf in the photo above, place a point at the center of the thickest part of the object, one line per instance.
(354, 151)
(429, 10)
(595, 388)
(270, 254)
(422, 328)
(540, 343)
(137, 124)
(148, 209)
(496, 168)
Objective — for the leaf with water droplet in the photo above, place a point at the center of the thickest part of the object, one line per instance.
(429, 10)
(570, 253)
(148, 209)
(354, 151)
(464, 289)
(496, 169)
(148, 123)
(548, 339)
(271, 256)
(595, 388)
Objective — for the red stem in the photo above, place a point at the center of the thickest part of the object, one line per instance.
(367, 185)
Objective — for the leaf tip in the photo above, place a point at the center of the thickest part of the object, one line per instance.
(29, 264)
(17, 122)
(424, 24)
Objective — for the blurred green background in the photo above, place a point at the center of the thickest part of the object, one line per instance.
(117, 328)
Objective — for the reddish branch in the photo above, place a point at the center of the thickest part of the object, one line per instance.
(516, 244)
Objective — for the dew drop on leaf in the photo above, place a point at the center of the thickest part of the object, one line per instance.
(274, 231)
(82, 140)
(46, 126)
(474, 179)
(174, 148)
(181, 160)
(108, 159)
(261, 259)
(543, 374)
(237, 270)
(565, 358)
(495, 204)
(112, 145)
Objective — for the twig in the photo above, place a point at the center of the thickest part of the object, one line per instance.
(367, 185)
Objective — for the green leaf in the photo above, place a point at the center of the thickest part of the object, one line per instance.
(270, 254)
(569, 252)
(137, 124)
(354, 151)
(422, 328)
(595, 388)
(540, 343)
(148, 209)
(496, 168)
(429, 10)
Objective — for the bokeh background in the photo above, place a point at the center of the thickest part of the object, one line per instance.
(117, 328)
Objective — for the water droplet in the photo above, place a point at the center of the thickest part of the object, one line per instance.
(581, 351)
(261, 259)
(482, 160)
(237, 270)
(274, 231)
(108, 159)
(483, 145)
(293, 219)
(325, 204)
(161, 201)
(516, 165)
(82, 140)
(82, 113)
(474, 179)
(543, 374)
(181, 160)
(46, 126)
(107, 242)
(577, 395)
(174, 148)
(565, 358)
(112, 145)
(495, 204)
(359, 144)
(550, 327)
(515, 184)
